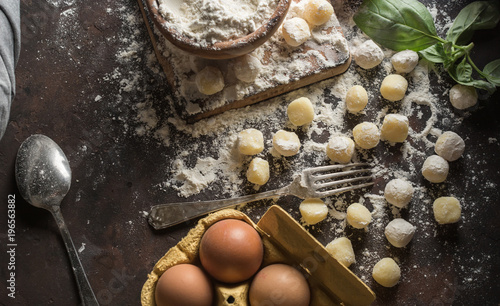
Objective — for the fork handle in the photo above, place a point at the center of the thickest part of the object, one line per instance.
(166, 215)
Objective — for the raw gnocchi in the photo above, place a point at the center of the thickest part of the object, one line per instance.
(341, 249)
(300, 111)
(386, 272)
(286, 143)
(366, 135)
(258, 171)
(295, 31)
(393, 87)
(398, 192)
(358, 216)
(447, 210)
(394, 128)
(399, 232)
(356, 99)
(340, 149)
(317, 12)
(449, 146)
(435, 169)
(250, 142)
(209, 80)
(313, 210)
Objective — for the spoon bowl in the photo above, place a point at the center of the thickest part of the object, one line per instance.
(43, 176)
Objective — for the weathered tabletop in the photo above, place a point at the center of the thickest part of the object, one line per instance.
(87, 69)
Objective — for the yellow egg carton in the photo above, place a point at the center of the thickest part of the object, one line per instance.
(285, 241)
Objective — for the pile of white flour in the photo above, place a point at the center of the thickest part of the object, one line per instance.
(211, 21)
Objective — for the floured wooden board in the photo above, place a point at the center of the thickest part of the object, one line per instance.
(284, 68)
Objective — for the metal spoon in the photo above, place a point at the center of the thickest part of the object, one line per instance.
(43, 177)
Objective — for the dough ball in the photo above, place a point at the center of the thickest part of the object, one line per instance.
(447, 210)
(435, 169)
(340, 149)
(250, 142)
(394, 128)
(247, 68)
(393, 87)
(295, 31)
(209, 80)
(286, 143)
(258, 171)
(300, 111)
(341, 249)
(449, 146)
(317, 12)
(404, 61)
(366, 135)
(462, 96)
(356, 99)
(386, 272)
(358, 216)
(313, 210)
(399, 232)
(398, 192)
(368, 55)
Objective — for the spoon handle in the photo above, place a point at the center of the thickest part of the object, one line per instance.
(86, 293)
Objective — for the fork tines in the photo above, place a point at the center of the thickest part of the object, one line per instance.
(352, 176)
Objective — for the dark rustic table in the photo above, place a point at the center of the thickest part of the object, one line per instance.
(85, 66)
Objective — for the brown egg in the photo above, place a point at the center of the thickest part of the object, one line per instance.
(231, 251)
(184, 284)
(279, 284)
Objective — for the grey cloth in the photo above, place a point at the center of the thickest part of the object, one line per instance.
(10, 44)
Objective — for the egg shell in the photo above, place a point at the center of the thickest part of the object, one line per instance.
(285, 241)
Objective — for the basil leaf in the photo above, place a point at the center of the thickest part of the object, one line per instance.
(462, 74)
(475, 16)
(397, 24)
(492, 72)
(434, 54)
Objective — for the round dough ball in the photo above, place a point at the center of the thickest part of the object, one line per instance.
(356, 99)
(341, 249)
(340, 149)
(393, 87)
(313, 210)
(246, 68)
(300, 111)
(317, 12)
(258, 171)
(358, 216)
(394, 128)
(447, 210)
(295, 31)
(399, 232)
(250, 142)
(404, 61)
(286, 143)
(209, 80)
(366, 135)
(449, 146)
(398, 192)
(386, 272)
(462, 96)
(368, 55)
(435, 169)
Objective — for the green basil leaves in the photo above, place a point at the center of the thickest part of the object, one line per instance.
(407, 24)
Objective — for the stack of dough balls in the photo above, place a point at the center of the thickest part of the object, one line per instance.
(251, 142)
(297, 30)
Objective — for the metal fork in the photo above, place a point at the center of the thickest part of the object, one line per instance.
(317, 182)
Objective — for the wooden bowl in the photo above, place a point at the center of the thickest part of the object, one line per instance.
(224, 49)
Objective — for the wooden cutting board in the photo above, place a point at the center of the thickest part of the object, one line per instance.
(284, 68)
